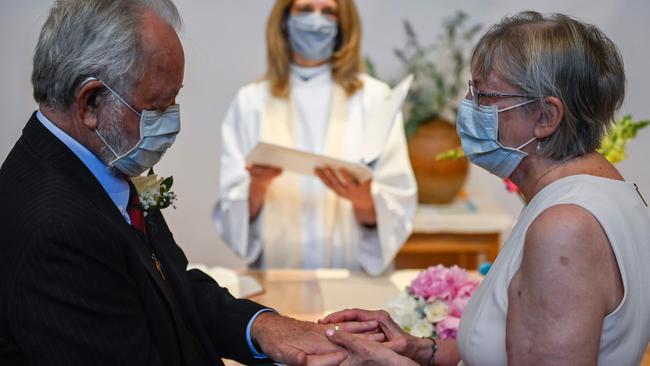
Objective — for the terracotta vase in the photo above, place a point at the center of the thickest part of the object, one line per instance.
(438, 181)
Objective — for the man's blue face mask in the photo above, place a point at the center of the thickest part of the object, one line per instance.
(158, 130)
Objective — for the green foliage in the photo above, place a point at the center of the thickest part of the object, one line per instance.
(439, 70)
(166, 197)
(618, 135)
(167, 183)
(451, 154)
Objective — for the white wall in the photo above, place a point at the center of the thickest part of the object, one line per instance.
(224, 46)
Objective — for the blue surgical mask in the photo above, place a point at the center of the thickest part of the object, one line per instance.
(312, 35)
(158, 130)
(478, 129)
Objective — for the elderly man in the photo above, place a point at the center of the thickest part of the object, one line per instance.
(85, 279)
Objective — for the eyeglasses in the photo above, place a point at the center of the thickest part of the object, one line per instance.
(476, 94)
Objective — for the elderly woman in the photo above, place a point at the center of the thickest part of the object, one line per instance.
(571, 285)
(316, 98)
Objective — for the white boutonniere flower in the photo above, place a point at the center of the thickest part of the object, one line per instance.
(154, 192)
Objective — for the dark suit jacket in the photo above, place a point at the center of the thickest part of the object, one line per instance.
(77, 283)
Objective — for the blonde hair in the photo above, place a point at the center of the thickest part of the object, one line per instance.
(346, 62)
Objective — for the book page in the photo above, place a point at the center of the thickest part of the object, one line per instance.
(381, 121)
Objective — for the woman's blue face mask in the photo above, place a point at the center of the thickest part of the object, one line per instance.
(478, 128)
(312, 35)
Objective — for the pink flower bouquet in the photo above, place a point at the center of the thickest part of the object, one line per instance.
(433, 304)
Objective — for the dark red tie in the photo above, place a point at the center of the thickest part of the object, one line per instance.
(134, 209)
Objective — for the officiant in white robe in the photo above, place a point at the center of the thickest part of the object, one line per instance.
(316, 99)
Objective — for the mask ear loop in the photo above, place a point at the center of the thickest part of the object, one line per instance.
(526, 143)
(117, 156)
(516, 106)
(120, 99)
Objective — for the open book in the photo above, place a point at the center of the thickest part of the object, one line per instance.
(381, 119)
(302, 162)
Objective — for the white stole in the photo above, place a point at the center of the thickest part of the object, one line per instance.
(282, 212)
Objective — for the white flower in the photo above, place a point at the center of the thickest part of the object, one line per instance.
(422, 328)
(147, 184)
(436, 311)
(149, 199)
(403, 310)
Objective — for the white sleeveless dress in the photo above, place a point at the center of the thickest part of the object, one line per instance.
(621, 212)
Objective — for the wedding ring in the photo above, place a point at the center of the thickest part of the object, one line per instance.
(336, 327)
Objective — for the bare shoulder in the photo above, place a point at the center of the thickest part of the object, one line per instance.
(567, 230)
(567, 252)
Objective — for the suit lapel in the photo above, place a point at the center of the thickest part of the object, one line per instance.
(163, 243)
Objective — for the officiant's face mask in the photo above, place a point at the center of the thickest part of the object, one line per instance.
(312, 35)
(158, 130)
(478, 129)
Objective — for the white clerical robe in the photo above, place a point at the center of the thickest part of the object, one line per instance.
(303, 224)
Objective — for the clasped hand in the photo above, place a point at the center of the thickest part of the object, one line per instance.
(348, 338)
(295, 342)
(397, 348)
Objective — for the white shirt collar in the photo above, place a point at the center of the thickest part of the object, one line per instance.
(308, 74)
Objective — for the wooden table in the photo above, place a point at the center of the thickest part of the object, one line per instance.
(309, 295)
(462, 233)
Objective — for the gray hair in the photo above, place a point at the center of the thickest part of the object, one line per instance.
(562, 57)
(99, 38)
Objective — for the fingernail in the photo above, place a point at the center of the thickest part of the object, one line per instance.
(329, 332)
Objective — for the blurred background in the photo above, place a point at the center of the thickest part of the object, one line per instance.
(225, 49)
